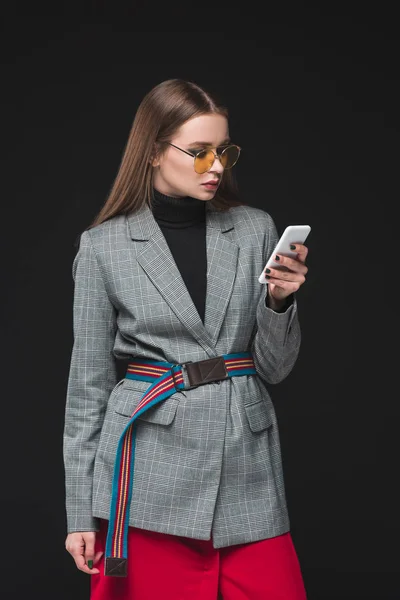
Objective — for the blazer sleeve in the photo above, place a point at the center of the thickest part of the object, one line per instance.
(276, 343)
(92, 376)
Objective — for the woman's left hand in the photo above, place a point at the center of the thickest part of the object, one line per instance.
(282, 283)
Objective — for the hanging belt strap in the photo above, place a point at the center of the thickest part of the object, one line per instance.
(166, 378)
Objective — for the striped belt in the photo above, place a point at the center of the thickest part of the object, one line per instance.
(165, 378)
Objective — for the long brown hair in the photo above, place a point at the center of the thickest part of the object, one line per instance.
(160, 114)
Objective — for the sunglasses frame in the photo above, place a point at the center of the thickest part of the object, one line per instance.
(195, 154)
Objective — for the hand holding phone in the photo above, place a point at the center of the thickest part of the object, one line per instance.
(293, 234)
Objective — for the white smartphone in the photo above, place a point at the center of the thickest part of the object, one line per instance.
(293, 234)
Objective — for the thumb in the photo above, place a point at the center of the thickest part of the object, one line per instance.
(89, 547)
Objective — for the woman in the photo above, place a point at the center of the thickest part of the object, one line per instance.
(174, 481)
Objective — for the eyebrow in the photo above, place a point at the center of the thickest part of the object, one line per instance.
(226, 141)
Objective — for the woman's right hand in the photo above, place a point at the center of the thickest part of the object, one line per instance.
(80, 545)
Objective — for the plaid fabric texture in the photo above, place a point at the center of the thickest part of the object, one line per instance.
(208, 459)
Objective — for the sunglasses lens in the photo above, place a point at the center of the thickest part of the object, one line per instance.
(204, 161)
(230, 156)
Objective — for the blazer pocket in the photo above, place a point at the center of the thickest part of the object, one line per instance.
(258, 415)
(129, 397)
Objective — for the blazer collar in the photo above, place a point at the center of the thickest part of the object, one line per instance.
(143, 226)
(159, 265)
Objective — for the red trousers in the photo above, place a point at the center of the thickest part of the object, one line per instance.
(169, 567)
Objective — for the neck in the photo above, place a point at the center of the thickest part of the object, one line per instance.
(180, 211)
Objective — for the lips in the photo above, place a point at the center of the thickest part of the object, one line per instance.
(213, 182)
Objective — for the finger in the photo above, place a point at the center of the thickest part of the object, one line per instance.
(301, 250)
(96, 559)
(77, 552)
(285, 276)
(288, 286)
(90, 539)
(82, 565)
(89, 554)
(82, 551)
(291, 264)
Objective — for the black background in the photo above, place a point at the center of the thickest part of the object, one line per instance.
(313, 101)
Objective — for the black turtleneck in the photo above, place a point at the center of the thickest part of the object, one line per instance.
(183, 224)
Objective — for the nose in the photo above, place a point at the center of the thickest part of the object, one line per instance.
(216, 166)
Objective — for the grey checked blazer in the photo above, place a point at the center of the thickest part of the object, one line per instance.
(207, 460)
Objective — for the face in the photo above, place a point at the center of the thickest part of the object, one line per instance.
(174, 173)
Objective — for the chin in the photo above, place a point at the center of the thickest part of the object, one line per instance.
(197, 196)
(206, 194)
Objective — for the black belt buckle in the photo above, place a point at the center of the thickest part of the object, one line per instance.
(205, 371)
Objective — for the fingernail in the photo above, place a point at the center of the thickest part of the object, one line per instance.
(268, 270)
(90, 564)
(276, 257)
(292, 247)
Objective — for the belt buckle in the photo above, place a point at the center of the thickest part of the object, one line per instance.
(205, 371)
(182, 365)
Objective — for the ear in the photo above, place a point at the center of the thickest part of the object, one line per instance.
(155, 158)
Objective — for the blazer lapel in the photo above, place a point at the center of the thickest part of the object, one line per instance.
(159, 265)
